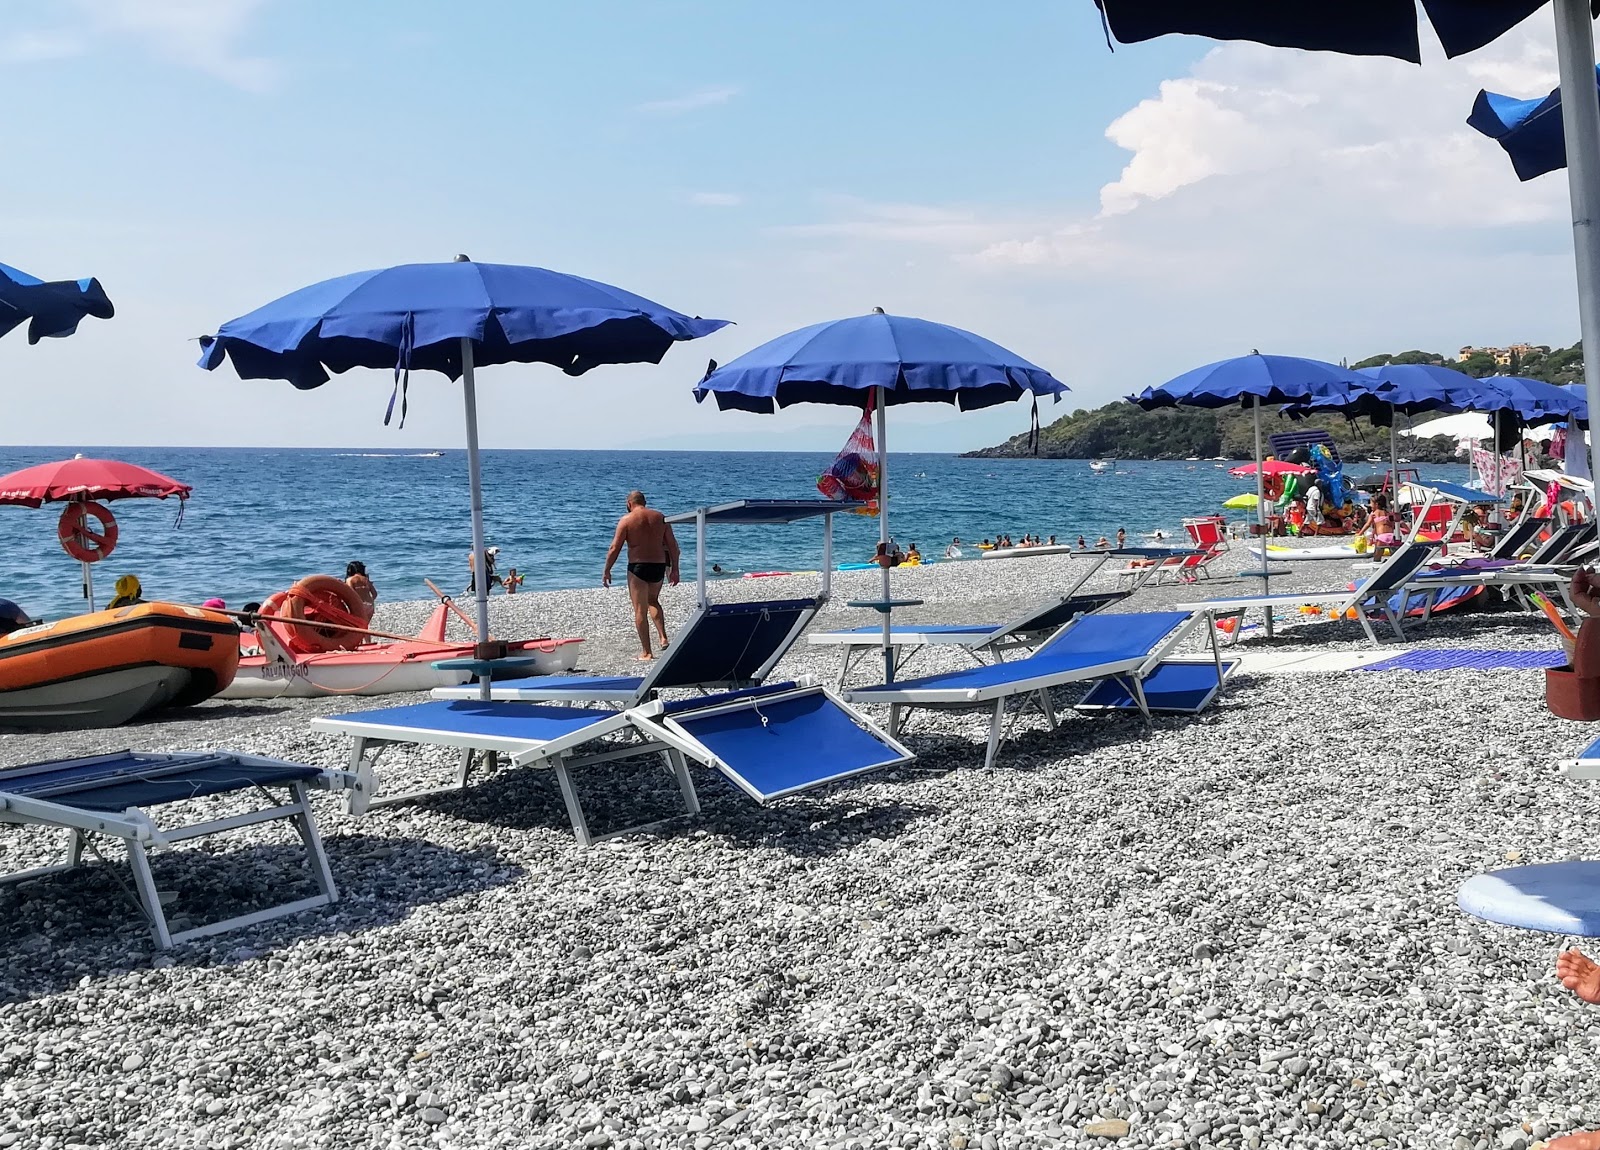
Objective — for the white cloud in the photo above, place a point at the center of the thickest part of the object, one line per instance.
(716, 199)
(692, 102)
(201, 34)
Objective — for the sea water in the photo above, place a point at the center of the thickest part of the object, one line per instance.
(261, 518)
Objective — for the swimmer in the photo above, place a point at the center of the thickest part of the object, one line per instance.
(1102, 544)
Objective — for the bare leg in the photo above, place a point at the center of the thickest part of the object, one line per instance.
(657, 616)
(1589, 1141)
(638, 593)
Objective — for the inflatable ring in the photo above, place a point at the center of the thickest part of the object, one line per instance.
(324, 599)
(78, 539)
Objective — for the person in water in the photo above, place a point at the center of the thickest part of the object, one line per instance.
(1083, 544)
(1122, 536)
(913, 555)
(652, 556)
(12, 617)
(954, 550)
(355, 576)
(513, 581)
(128, 592)
(1102, 544)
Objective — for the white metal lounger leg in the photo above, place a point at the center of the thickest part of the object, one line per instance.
(1366, 625)
(1393, 616)
(680, 771)
(1046, 706)
(306, 823)
(580, 826)
(996, 733)
(1136, 689)
(894, 720)
(144, 884)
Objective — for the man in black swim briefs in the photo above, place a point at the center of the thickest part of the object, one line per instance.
(652, 557)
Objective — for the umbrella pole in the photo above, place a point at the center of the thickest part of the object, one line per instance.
(1261, 509)
(883, 533)
(88, 585)
(1394, 461)
(1580, 120)
(480, 568)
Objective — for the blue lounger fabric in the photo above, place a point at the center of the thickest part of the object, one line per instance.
(1561, 897)
(493, 720)
(1180, 687)
(788, 745)
(1093, 641)
(126, 779)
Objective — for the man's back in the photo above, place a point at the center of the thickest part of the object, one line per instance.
(645, 531)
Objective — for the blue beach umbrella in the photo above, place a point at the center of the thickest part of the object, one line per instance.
(889, 360)
(1249, 381)
(1531, 131)
(449, 318)
(1389, 28)
(51, 310)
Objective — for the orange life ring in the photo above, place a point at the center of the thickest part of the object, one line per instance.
(324, 599)
(79, 540)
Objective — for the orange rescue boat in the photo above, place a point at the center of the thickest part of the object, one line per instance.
(107, 667)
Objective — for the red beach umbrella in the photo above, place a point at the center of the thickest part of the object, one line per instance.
(80, 478)
(1270, 467)
(87, 530)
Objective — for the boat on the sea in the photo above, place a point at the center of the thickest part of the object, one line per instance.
(288, 659)
(105, 668)
(1102, 466)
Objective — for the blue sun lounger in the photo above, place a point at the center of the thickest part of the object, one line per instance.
(769, 741)
(105, 796)
(1374, 595)
(1127, 647)
(723, 646)
(991, 641)
(1548, 568)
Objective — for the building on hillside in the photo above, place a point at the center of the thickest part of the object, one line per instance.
(1502, 356)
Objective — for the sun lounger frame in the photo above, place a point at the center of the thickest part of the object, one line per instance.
(1375, 591)
(661, 666)
(653, 728)
(1035, 692)
(140, 834)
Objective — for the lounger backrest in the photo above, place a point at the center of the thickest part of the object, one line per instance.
(731, 644)
(1117, 637)
(1053, 615)
(1515, 541)
(1397, 570)
(1563, 542)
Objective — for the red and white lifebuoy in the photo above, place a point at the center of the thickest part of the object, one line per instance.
(86, 543)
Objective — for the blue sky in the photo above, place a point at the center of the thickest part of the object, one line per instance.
(1115, 217)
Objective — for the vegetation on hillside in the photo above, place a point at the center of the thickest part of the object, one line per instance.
(1121, 430)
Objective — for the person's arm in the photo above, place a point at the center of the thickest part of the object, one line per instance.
(1582, 589)
(615, 550)
(669, 541)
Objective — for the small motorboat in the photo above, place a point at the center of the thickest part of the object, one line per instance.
(105, 668)
(1102, 466)
(282, 659)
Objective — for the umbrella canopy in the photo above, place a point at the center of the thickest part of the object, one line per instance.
(1464, 425)
(52, 309)
(1532, 400)
(1531, 131)
(80, 478)
(449, 317)
(1250, 379)
(1368, 28)
(416, 315)
(909, 360)
(1272, 467)
(885, 360)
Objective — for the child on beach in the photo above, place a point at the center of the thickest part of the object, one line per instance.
(513, 580)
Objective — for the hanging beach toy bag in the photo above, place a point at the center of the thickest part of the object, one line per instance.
(854, 473)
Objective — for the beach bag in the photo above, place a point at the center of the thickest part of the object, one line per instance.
(854, 473)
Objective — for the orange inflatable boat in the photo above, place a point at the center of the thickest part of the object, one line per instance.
(107, 667)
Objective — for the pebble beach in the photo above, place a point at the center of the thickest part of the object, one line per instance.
(1231, 930)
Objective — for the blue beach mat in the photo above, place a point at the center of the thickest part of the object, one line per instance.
(1470, 660)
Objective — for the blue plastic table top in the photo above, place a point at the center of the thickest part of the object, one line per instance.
(487, 667)
(882, 605)
(1560, 897)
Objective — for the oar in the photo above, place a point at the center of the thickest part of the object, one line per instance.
(321, 626)
(451, 603)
